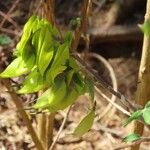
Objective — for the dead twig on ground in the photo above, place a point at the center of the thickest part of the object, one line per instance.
(7, 16)
(10, 20)
(16, 33)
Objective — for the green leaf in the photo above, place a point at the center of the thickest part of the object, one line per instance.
(85, 124)
(53, 30)
(69, 98)
(45, 53)
(136, 115)
(74, 23)
(146, 28)
(28, 54)
(69, 75)
(4, 39)
(58, 64)
(73, 64)
(37, 42)
(32, 83)
(146, 115)
(15, 69)
(132, 137)
(29, 25)
(147, 104)
(90, 87)
(68, 37)
(28, 28)
(53, 96)
(78, 79)
(42, 102)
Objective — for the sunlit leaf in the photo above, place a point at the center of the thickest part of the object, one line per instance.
(134, 116)
(33, 83)
(132, 137)
(146, 115)
(45, 54)
(147, 104)
(15, 69)
(146, 28)
(52, 97)
(69, 75)
(68, 37)
(26, 34)
(73, 64)
(85, 124)
(42, 101)
(59, 61)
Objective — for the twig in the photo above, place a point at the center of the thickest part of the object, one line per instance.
(6, 17)
(113, 79)
(78, 32)
(122, 146)
(80, 29)
(10, 20)
(99, 82)
(60, 129)
(114, 104)
(109, 130)
(16, 33)
(87, 69)
(23, 114)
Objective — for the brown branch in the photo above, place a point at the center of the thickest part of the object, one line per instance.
(48, 11)
(80, 29)
(23, 114)
(6, 17)
(10, 20)
(16, 33)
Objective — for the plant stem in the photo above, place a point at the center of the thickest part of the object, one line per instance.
(49, 129)
(143, 88)
(46, 121)
(41, 122)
